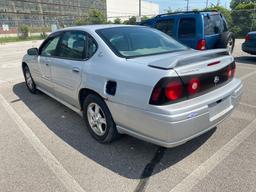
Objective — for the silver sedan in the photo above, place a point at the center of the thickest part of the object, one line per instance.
(134, 80)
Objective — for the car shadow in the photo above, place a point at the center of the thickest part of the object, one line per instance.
(246, 60)
(128, 157)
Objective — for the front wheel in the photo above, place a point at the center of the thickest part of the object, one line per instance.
(99, 120)
(29, 80)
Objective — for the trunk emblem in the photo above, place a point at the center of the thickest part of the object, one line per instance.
(216, 79)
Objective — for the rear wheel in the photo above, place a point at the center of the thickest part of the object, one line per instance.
(227, 40)
(98, 119)
(29, 80)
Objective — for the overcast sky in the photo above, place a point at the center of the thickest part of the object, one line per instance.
(181, 4)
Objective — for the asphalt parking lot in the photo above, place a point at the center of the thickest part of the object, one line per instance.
(44, 146)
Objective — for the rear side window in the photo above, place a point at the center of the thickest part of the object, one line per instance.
(72, 45)
(187, 28)
(214, 24)
(166, 26)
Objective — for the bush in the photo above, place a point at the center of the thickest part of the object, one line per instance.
(23, 31)
(94, 17)
(117, 21)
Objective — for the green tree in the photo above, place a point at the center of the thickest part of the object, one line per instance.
(244, 16)
(23, 31)
(117, 21)
(130, 21)
(94, 17)
(234, 3)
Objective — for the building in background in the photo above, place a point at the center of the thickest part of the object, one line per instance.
(48, 13)
(36, 13)
(125, 9)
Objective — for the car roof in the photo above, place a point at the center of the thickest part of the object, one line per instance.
(96, 27)
(213, 12)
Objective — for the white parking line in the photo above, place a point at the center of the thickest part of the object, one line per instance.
(247, 105)
(57, 168)
(205, 168)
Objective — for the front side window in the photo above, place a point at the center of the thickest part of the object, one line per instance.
(187, 28)
(138, 41)
(72, 45)
(165, 26)
(49, 48)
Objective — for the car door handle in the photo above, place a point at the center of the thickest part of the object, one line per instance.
(76, 69)
(47, 64)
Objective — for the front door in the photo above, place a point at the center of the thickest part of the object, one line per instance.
(46, 59)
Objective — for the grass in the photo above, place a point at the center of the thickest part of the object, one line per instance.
(17, 39)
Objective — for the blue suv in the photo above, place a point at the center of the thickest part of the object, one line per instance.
(197, 29)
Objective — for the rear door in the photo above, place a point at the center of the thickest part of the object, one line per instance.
(73, 53)
(187, 31)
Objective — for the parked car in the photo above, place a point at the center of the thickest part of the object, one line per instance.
(134, 80)
(249, 46)
(198, 30)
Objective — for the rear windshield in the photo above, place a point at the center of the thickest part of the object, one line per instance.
(214, 24)
(138, 41)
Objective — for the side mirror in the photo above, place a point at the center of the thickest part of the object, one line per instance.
(32, 51)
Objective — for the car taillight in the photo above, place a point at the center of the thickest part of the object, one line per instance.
(201, 45)
(229, 72)
(193, 86)
(167, 90)
(247, 37)
(173, 90)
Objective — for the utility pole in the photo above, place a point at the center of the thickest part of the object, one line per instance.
(207, 2)
(218, 3)
(187, 4)
(139, 8)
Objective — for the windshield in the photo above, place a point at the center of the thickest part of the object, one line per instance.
(138, 41)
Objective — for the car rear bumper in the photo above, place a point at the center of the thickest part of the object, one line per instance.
(180, 122)
(249, 49)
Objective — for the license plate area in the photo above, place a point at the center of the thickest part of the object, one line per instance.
(220, 108)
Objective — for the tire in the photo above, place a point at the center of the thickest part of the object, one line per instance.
(103, 133)
(29, 80)
(227, 40)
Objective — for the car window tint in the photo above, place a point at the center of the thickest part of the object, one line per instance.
(166, 26)
(92, 47)
(187, 28)
(72, 45)
(214, 24)
(49, 49)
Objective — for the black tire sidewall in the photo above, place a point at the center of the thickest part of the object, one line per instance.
(33, 90)
(224, 39)
(111, 132)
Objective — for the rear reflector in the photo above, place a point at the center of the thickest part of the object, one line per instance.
(201, 45)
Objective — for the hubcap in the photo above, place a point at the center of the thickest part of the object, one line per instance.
(29, 79)
(97, 119)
